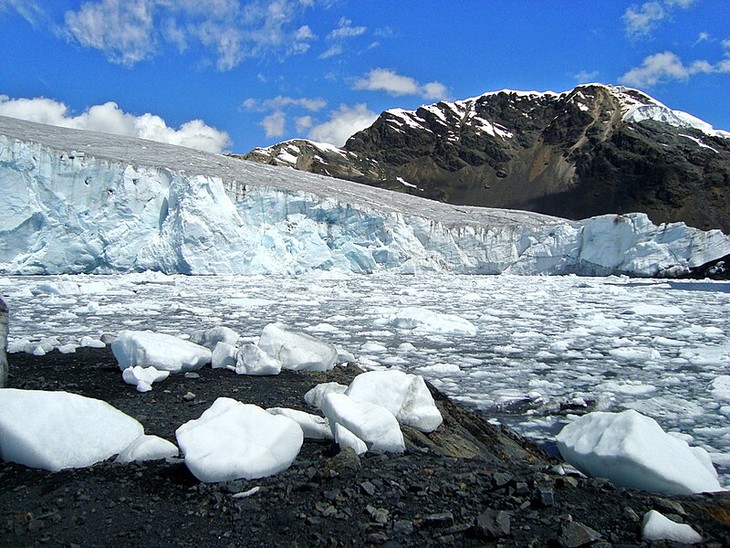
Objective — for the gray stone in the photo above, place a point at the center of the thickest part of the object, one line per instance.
(492, 524)
(442, 519)
(574, 534)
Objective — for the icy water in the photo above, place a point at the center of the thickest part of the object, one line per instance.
(538, 349)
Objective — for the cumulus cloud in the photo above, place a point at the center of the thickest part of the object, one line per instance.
(381, 79)
(109, 118)
(129, 31)
(667, 66)
(274, 124)
(640, 21)
(342, 124)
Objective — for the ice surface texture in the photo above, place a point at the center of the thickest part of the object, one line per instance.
(57, 430)
(161, 351)
(233, 440)
(85, 202)
(632, 450)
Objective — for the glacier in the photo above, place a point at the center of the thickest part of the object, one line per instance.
(82, 202)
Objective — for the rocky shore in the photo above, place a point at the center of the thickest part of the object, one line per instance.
(468, 483)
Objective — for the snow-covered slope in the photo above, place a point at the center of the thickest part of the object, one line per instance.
(76, 202)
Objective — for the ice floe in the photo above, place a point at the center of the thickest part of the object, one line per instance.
(57, 430)
(632, 450)
(233, 440)
(164, 352)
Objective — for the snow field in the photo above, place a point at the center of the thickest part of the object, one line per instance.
(544, 346)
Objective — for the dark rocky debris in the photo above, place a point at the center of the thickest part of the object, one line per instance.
(468, 484)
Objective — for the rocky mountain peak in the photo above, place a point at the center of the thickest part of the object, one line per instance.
(587, 151)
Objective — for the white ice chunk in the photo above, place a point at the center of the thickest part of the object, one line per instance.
(373, 424)
(210, 337)
(423, 319)
(164, 352)
(345, 439)
(224, 355)
(403, 394)
(297, 350)
(252, 360)
(57, 430)
(143, 377)
(656, 526)
(232, 440)
(314, 427)
(314, 396)
(147, 447)
(720, 387)
(632, 450)
(91, 342)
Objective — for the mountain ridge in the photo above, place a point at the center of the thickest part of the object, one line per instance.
(592, 150)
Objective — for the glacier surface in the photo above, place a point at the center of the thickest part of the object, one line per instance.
(82, 202)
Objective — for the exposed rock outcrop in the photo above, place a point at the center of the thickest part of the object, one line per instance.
(3, 344)
(592, 150)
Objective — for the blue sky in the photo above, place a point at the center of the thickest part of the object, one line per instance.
(235, 74)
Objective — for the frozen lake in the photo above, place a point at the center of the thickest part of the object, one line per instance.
(531, 350)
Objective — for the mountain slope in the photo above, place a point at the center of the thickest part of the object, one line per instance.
(76, 201)
(593, 150)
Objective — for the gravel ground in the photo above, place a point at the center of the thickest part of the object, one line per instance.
(469, 483)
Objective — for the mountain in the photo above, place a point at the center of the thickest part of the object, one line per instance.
(82, 202)
(589, 151)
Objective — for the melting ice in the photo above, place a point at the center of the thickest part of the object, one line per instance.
(541, 348)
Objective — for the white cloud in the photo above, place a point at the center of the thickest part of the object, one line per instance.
(343, 32)
(27, 9)
(312, 104)
(586, 76)
(129, 31)
(342, 124)
(667, 66)
(120, 28)
(640, 21)
(109, 118)
(274, 124)
(434, 90)
(346, 30)
(303, 123)
(380, 79)
(332, 51)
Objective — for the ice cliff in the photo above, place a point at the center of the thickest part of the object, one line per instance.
(81, 202)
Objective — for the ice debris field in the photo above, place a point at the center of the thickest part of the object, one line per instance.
(534, 352)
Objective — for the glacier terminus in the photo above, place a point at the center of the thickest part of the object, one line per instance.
(81, 202)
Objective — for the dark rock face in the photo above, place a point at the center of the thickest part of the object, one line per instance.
(575, 155)
(3, 344)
